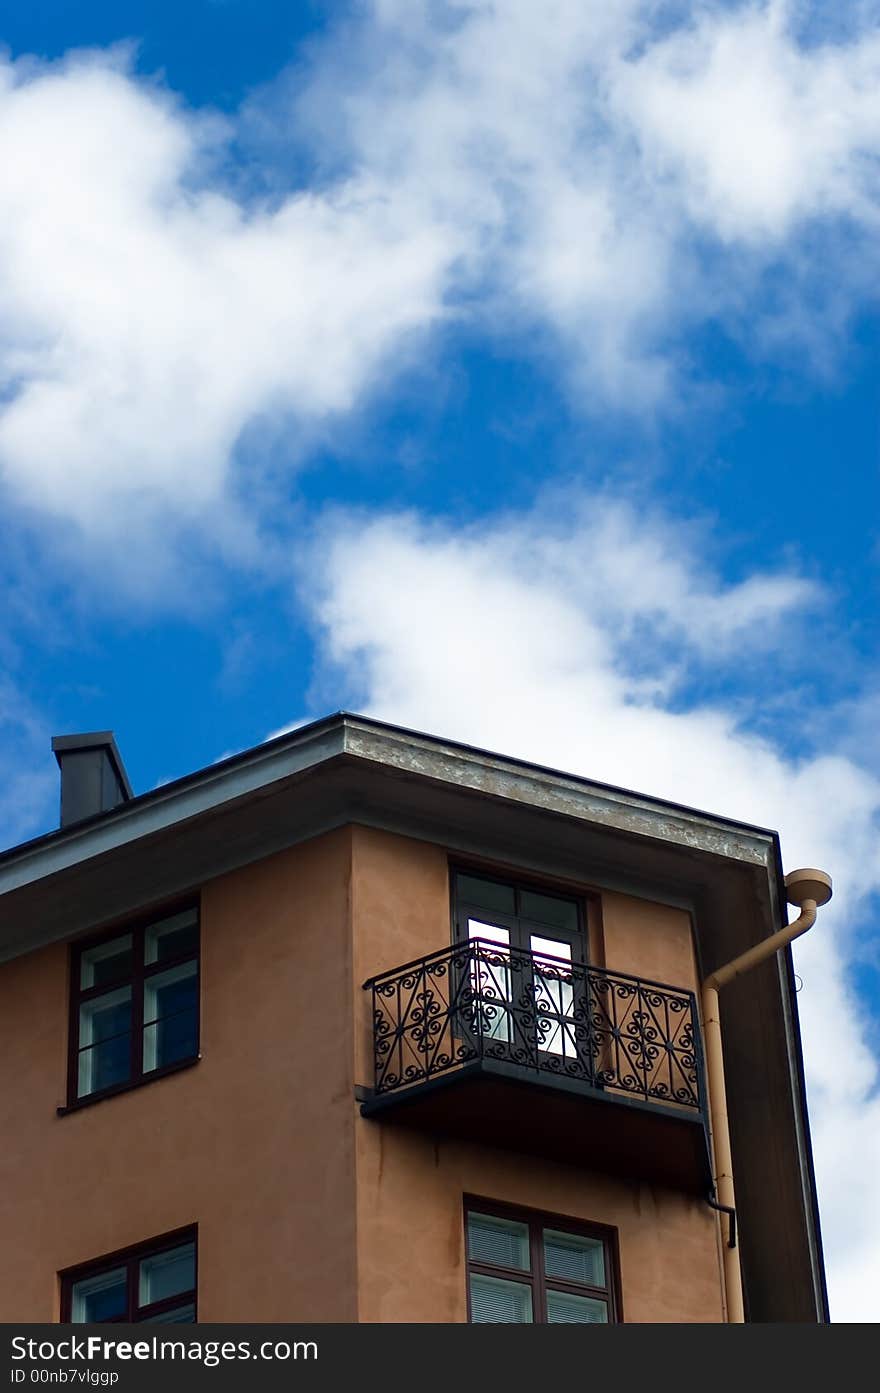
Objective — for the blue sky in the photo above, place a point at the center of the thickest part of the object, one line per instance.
(506, 370)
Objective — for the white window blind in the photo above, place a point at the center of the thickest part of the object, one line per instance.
(564, 1308)
(503, 1242)
(501, 1303)
(573, 1258)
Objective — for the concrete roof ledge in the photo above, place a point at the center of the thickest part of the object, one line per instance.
(566, 794)
(394, 750)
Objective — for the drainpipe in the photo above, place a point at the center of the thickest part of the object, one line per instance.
(808, 889)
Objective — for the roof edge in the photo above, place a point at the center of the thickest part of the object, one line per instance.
(250, 767)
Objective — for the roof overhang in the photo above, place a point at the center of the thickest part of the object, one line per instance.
(300, 783)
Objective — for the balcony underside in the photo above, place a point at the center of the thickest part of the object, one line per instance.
(497, 1103)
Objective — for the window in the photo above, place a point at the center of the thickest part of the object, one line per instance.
(532, 929)
(519, 916)
(134, 1005)
(526, 1268)
(152, 1284)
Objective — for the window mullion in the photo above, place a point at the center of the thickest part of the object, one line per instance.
(162, 965)
(165, 1303)
(102, 988)
(133, 1286)
(137, 993)
(539, 1288)
(73, 1030)
(505, 1274)
(517, 938)
(199, 995)
(577, 1288)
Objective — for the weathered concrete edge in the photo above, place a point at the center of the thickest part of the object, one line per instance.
(390, 747)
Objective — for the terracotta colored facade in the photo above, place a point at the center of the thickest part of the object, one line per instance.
(412, 1184)
(306, 1210)
(226, 1144)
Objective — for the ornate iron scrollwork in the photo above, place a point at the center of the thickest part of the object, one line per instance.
(478, 1000)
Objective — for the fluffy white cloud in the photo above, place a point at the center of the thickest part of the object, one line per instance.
(756, 131)
(546, 168)
(515, 638)
(625, 171)
(147, 316)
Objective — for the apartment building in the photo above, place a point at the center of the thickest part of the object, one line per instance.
(367, 1026)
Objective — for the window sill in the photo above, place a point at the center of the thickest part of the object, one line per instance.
(154, 1077)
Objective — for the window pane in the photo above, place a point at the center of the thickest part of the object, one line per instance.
(105, 1041)
(487, 893)
(105, 1016)
(179, 1316)
(550, 948)
(497, 1302)
(490, 981)
(504, 1242)
(109, 962)
(492, 932)
(166, 1274)
(170, 1000)
(99, 1298)
(547, 909)
(574, 1258)
(565, 1309)
(554, 997)
(172, 938)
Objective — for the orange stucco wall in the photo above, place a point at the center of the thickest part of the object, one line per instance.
(411, 1233)
(306, 1210)
(649, 940)
(411, 1185)
(255, 1143)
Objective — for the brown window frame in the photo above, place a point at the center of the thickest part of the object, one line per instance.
(130, 1259)
(537, 1220)
(583, 901)
(136, 978)
(521, 928)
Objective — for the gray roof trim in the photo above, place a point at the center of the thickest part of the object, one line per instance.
(564, 794)
(162, 808)
(410, 752)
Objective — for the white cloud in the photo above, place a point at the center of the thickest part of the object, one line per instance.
(634, 571)
(148, 316)
(756, 131)
(546, 172)
(622, 176)
(514, 638)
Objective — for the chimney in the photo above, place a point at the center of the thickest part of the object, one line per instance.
(93, 777)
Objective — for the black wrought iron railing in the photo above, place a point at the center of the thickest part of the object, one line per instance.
(479, 1001)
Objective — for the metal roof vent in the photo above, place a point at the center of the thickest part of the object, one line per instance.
(93, 777)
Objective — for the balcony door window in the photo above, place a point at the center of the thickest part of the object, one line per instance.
(538, 936)
(534, 1269)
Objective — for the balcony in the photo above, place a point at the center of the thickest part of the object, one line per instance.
(525, 1051)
